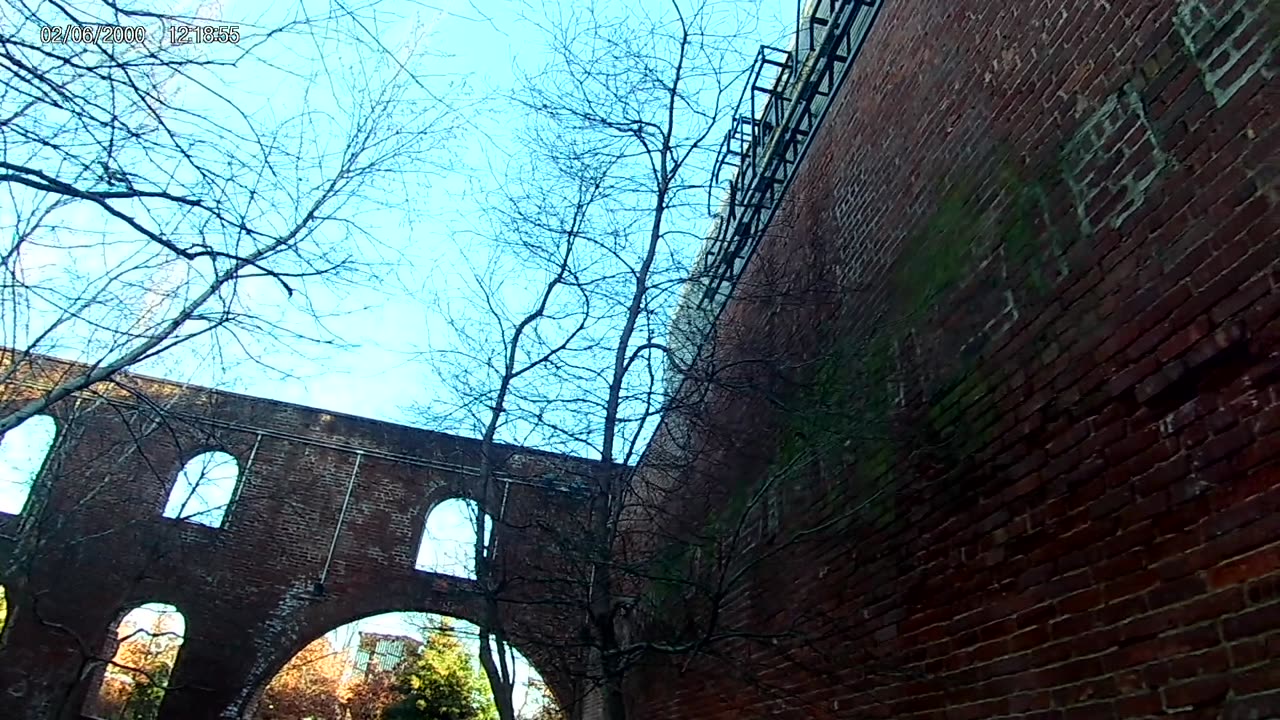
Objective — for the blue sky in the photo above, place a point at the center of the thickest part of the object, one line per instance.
(378, 371)
(418, 231)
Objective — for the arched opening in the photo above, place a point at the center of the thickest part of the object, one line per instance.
(23, 452)
(204, 489)
(397, 665)
(448, 542)
(143, 651)
(4, 610)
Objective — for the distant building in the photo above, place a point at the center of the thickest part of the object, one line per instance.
(376, 652)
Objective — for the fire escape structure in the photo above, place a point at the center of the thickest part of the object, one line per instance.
(784, 101)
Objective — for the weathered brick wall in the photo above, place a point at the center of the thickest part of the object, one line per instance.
(1055, 234)
(94, 543)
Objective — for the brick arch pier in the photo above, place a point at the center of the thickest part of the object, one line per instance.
(442, 596)
(323, 529)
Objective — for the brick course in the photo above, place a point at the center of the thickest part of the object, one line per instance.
(1096, 357)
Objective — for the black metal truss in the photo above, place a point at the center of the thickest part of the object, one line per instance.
(770, 132)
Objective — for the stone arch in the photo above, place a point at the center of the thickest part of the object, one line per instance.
(446, 545)
(144, 651)
(204, 488)
(448, 599)
(24, 453)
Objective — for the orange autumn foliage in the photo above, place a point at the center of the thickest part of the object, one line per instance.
(367, 697)
(315, 685)
(308, 687)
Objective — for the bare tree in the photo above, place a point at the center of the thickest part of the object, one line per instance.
(156, 195)
(160, 195)
(492, 355)
(624, 126)
(668, 554)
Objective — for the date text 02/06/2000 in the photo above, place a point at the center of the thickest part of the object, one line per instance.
(92, 34)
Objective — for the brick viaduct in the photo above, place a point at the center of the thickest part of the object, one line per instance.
(323, 530)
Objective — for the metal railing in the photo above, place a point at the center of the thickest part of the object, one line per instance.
(784, 101)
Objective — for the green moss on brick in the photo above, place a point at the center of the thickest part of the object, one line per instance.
(843, 421)
(940, 255)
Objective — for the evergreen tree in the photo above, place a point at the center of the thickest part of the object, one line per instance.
(148, 693)
(442, 684)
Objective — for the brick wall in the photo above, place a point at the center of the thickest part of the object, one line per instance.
(93, 544)
(1052, 229)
